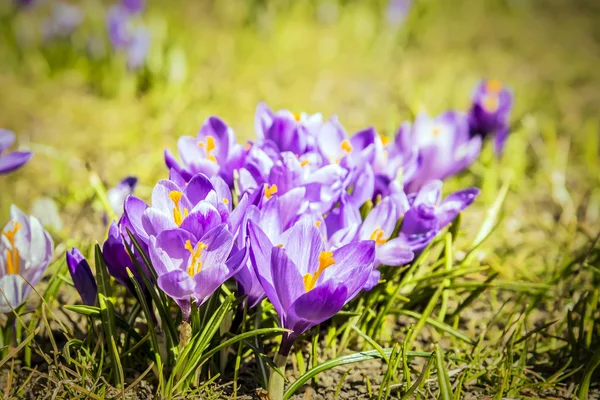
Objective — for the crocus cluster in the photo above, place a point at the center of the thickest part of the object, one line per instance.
(305, 215)
(125, 35)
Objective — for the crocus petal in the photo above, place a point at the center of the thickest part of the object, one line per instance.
(452, 205)
(288, 282)
(219, 242)
(134, 209)
(7, 138)
(315, 306)
(177, 284)
(10, 162)
(82, 276)
(155, 221)
(197, 188)
(373, 280)
(208, 280)
(394, 253)
(303, 244)
(355, 261)
(202, 219)
(13, 292)
(168, 252)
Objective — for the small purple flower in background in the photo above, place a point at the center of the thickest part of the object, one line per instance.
(191, 267)
(429, 214)
(25, 251)
(397, 11)
(64, 20)
(125, 36)
(445, 147)
(118, 194)
(11, 161)
(118, 25)
(490, 112)
(138, 47)
(82, 276)
(133, 6)
(306, 283)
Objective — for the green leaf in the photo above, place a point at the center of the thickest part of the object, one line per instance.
(343, 360)
(94, 312)
(584, 386)
(437, 324)
(443, 378)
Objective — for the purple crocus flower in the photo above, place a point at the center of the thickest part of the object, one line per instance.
(133, 6)
(64, 20)
(123, 35)
(25, 252)
(429, 214)
(118, 194)
(395, 162)
(214, 151)
(14, 160)
(445, 147)
(490, 112)
(188, 267)
(119, 26)
(117, 251)
(201, 205)
(137, 48)
(306, 283)
(397, 11)
(286, 130)
(82, 276)
(379, 226)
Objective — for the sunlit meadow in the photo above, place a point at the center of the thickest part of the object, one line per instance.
(299, 199)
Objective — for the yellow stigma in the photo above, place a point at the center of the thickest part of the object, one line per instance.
(317, 223)
(209, 147)
(195, 265)
(491, 102)
(225, 200)
(297, 117)
(436, 131)
(12, 257)
(377, 236)
(493, 85)
(304, 163)
(177, 215)
(346, 146)
(270, 191)
(384, 139)
(280, 245)
(326, 260)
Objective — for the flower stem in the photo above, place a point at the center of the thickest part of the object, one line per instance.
(277, 381)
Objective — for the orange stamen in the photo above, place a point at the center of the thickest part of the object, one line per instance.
(270, 191)
(209, 147)
(304, 163)
(326, 260)
(377, 236)
(12, 256)
(493, 85)
(178, 217)
(346, 146)
(195, 265)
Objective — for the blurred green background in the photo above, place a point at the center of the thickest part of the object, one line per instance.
(336, 57)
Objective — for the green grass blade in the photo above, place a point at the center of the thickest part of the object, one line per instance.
(443, 378)
(342, 360)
